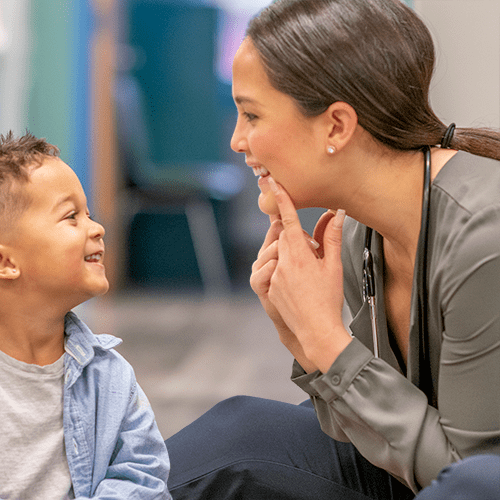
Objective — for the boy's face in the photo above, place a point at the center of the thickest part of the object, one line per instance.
(58, 248)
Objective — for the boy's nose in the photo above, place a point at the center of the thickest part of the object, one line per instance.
(97, 231)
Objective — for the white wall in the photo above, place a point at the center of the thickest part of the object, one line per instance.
(14, 64)
(466, 85)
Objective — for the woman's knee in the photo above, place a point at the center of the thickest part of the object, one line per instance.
(476, 477)
(239, 430)
(238, 427)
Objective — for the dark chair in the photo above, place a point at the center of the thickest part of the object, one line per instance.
(169, 127)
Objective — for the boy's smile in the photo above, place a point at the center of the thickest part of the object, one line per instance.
(58, 248)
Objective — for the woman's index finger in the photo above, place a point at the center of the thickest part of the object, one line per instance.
(288, 213)
(274, 217)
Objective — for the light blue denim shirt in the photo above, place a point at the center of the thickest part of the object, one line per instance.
(113, 445)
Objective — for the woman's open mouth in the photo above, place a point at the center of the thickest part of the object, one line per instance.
(260, 171)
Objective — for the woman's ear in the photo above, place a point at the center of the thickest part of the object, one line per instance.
(342, 122)
(8, 268)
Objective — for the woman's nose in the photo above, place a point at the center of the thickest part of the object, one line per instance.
(238, 142)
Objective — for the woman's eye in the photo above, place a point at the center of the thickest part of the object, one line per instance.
(250, 117)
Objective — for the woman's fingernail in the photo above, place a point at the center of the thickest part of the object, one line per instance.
(274, 187)
(314, 243)
(330, 211)
(338, 220)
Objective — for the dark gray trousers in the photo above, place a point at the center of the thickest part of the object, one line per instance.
(258, 449)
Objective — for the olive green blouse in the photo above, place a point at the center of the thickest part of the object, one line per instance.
(375, 403)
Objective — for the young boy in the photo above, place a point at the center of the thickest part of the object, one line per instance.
(74, 422)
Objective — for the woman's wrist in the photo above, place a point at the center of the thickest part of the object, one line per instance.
(326, 348)
(290, 341)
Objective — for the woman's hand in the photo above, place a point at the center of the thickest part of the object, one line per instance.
(305, 290)
(263, 268)
(260, 280)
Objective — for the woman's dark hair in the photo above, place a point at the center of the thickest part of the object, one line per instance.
(376, 55)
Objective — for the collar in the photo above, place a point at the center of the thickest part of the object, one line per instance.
(81, 344)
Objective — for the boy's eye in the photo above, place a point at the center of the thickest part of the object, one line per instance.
(72, 215)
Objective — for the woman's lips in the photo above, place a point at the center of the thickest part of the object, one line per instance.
(263, 183)
(267, 201)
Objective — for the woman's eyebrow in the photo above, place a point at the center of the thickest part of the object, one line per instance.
(244, 100)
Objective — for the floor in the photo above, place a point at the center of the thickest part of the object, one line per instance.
(190, 352)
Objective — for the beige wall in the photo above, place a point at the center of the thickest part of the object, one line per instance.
(466, 85)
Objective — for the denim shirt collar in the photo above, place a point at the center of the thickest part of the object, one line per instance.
(81, 345)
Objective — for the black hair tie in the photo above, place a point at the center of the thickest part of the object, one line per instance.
(448, 136)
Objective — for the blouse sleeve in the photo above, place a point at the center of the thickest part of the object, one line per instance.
(469, 377)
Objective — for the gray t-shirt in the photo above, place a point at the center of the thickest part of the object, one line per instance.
(33, 463)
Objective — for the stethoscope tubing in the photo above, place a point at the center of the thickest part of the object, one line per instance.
(369, 294)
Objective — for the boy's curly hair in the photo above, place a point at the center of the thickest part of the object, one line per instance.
(18, 156)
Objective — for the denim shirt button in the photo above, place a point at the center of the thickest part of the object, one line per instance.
(336, 379)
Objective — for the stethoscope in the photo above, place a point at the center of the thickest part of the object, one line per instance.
(369, 294)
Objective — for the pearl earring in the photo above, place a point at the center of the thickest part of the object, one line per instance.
(331, 150)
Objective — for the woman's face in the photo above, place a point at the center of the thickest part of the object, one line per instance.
(275, 136)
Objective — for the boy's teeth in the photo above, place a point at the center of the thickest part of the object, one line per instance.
(95, 256)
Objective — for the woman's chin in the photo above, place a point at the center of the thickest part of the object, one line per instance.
(268, 205)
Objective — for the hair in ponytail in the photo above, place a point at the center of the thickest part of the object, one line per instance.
(376, 55)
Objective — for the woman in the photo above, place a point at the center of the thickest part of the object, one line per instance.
(333, 111)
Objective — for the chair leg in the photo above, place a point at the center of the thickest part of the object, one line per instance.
(208, 247)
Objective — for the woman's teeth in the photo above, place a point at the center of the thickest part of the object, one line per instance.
(262, 171)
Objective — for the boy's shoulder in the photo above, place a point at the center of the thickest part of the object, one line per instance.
(92, 353)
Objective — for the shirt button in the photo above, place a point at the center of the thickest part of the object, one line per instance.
(336, 380)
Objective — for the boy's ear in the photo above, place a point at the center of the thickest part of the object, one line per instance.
(8, 268)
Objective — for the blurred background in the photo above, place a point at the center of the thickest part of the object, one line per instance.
(137, 95)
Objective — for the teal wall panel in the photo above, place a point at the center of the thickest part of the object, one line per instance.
(60, 80)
